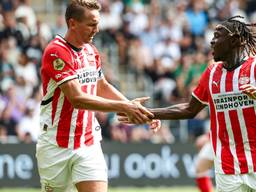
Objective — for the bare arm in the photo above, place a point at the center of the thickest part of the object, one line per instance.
(108, 91)
(179, 111)
(79, 99)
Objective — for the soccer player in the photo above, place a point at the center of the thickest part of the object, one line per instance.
(204, 163)
(228, 88)
(68, 150)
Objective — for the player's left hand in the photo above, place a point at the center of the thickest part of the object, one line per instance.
(155, 125)
(249, 90)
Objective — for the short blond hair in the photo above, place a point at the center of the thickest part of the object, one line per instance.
(75, 8)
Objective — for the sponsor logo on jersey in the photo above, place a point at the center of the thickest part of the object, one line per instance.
(215, 83)
(87, 75)
(231, 101)
(58, 64)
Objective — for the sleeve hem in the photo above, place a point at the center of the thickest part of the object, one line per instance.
(66, 79)
(203, 102)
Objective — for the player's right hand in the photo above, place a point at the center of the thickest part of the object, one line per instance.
(249, 90)
(138, 114)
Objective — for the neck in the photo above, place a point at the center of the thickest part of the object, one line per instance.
(73, 40)
(234, 61)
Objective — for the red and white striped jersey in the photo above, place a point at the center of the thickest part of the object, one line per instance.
(62, 124)
(233, 117)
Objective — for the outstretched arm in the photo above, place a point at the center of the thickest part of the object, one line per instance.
(179, 111)
(106, 90)
(80, 100)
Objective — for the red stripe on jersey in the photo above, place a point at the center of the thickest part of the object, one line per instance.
(79, 124)
(229, 81)
(55, 99)
(251, 127)
(226, 155)
(88, 130)
(63, 129)
(79, 129)
(235, 125)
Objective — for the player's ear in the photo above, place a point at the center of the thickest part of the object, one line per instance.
(71, 23)
(235, 40)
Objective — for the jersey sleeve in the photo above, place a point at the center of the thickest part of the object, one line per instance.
(57, 64)
(201, 92)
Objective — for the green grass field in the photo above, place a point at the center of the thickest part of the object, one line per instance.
(161, 189)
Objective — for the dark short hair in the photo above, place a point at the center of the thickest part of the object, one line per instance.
(75, 8)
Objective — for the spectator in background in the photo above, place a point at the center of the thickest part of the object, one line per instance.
(59, 28)
(150, 36)
(197, 18)
(28, 126)
(10, 28)
(6, 68)
(13, 108)
(26, 75)
(24, 9)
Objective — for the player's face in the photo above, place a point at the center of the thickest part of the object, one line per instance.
(88, 26)
(220, 44)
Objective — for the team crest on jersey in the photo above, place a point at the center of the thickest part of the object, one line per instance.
(244, 80)
(58, 64)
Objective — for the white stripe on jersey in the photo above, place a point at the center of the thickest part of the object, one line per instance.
(72, 128)
(52, 85)
(57, 116)
(228, 123)
(252, 78)
(89, 48)
(242, 123)
(252, 75)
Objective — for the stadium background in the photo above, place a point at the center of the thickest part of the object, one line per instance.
(156, 48)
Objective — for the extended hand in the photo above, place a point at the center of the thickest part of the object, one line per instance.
(137, 114)
(154, 124)
(249, 90)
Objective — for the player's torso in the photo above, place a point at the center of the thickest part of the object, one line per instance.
(67, 126)
(233, 118)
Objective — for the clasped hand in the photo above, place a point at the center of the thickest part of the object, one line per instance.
(249, 90)
(138, 114)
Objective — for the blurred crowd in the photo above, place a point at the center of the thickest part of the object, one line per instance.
(165, 41)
